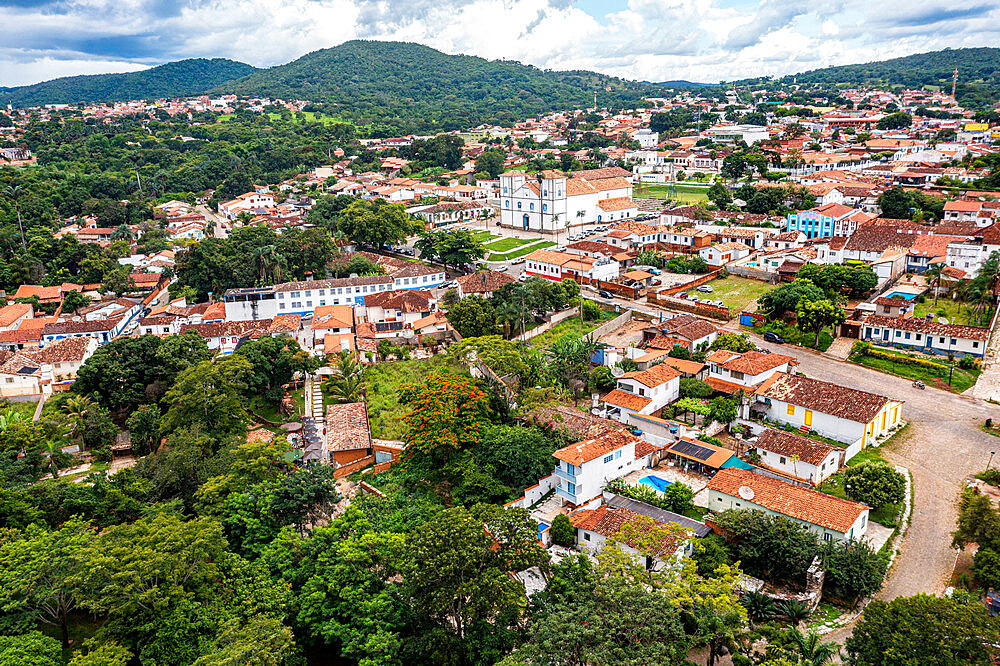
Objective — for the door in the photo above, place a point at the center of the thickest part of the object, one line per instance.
(809, 417)
(525, 220)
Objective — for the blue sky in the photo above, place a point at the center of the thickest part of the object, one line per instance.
(698, 40)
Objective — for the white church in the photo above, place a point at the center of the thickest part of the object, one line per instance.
(550, 201)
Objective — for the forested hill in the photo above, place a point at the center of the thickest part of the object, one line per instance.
(174, 79)
(409, 85)
(978, 74)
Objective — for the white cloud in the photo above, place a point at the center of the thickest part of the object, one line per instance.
(703, 40)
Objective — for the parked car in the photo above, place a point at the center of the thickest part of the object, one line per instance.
(657, 282)
(502, 268)
(559, 248)
(604, 293)
(771, 336)
(523, 277)
(519, 260)
(706, 288)
(498, 223)
(683, 294)
(654, 271)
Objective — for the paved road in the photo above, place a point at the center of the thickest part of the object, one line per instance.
(942, 445)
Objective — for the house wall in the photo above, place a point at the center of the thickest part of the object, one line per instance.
(815, 474)
(842, 430)
(18, 385)
(923, 342)
(588, 479)
(719, 501)
(718, 372)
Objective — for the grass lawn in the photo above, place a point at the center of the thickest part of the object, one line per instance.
(382, 385)
(508, 244)
(686, 193)
(736, 292)
(571, 327)
(483, 236)
(955, 311)
(524, 250)
(961, 379)
(794, 336)
(888, 515)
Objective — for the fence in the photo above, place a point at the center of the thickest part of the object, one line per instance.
(853, 450)
(369, 489)
(688, 286)
(534, 493)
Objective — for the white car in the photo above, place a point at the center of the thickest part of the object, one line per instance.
(501, 268)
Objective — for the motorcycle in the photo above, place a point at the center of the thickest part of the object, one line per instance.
(919, 384)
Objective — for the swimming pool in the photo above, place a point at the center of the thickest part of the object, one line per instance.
(902, 294)
(655, 482)
(541, 528)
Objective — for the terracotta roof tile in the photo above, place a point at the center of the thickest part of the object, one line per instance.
(788, 499)
(654, 376)
(347, 427)
(789, 444)
(824, 397)
(588, 449)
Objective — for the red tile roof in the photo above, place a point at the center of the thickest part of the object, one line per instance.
(788, 499)
(658, 374)
(589, 449)
(824, 397)
(789, 444)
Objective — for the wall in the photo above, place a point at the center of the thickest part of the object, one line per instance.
(534, 493)
(688, 286)
(353, 467)
(701, 309)
(853, 450)
(612, 325)
(553, 320)
(718, 501)
(753, 274)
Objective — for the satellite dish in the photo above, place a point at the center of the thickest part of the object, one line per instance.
(739, 202)
(617, 372)
(407, 333)
(746, 492)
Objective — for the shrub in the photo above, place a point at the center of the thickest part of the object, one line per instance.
(874, 483)
(967, 362)
(986, 566)
(562, 531)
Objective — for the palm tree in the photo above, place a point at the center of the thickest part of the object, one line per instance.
(796, 611)
(813, 651)
(270, 262)
(13, 192)
(52, 449)
(934, 273)
(345, 382)
(759, 606)
(77, 408)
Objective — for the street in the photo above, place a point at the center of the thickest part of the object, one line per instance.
(941, 447)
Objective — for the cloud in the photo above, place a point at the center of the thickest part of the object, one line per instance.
(702, 40)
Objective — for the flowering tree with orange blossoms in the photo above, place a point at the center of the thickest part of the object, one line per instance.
(447, 414)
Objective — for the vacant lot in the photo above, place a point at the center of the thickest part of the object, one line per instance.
(955, 311)
(736, 292)
(685, 193)
(383, 383)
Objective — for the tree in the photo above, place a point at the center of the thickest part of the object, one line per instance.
(694, 388)
(118, 281)
(264, 641)
(518, 455)
(933, 275)
(37, 568)
(769, 547)
(31, 649)
(875, 483)
(273, 363)
(986, 567)
(895, 203)
(74, 300)
(144, 429)
(345, 382)
(458, 578)
(893, 121)
(813, 651)
(737, 342)
(473, 317)
(978, 522)
(719, 195)
(679, 497)
(491, 161)
(817, 315)
(722, 410)
(96, 653)
(210, 395)
(98, 429)
(926, 630)
(786, 297)
(562, 531)
(375, 223)
(569, 360)
(77, 408)
(853, 568)
(13, 193)
(447, 414)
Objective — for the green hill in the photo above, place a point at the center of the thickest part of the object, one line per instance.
(174, 79)
(409, 85)
(978, 74)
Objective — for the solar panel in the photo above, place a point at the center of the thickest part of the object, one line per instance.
(693, 450)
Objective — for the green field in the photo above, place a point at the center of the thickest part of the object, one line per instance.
(525, 250)
(736, 292)
(956, 312)
(571, 327)
(961, 379)
(508, 244)
(685, 193)
(383, 382)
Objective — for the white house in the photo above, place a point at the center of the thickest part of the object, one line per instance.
(104, 330)
(595, 526)
(558, 266)
(643, 392)
(724, 253)
(245, 203)
(35, 372)
(395, 311)
(585, 467)
(797, 456)
(831, 518)
(744, 370)
(844, 414)
(925, 335)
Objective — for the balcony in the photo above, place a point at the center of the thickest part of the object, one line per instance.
(565, 494)
(563, 474)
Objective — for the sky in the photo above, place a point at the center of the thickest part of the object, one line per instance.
(652, 40)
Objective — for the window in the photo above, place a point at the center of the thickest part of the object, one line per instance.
(791, 410)
(586, 536)
(736, 375)
(545, 207)
(907, 336)
(826, 536)
(954, 341)
(898, 333)
(519, 205)
(531, 206)
(608, 458)
(618, 454)
(781, 460)
(975, 345)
